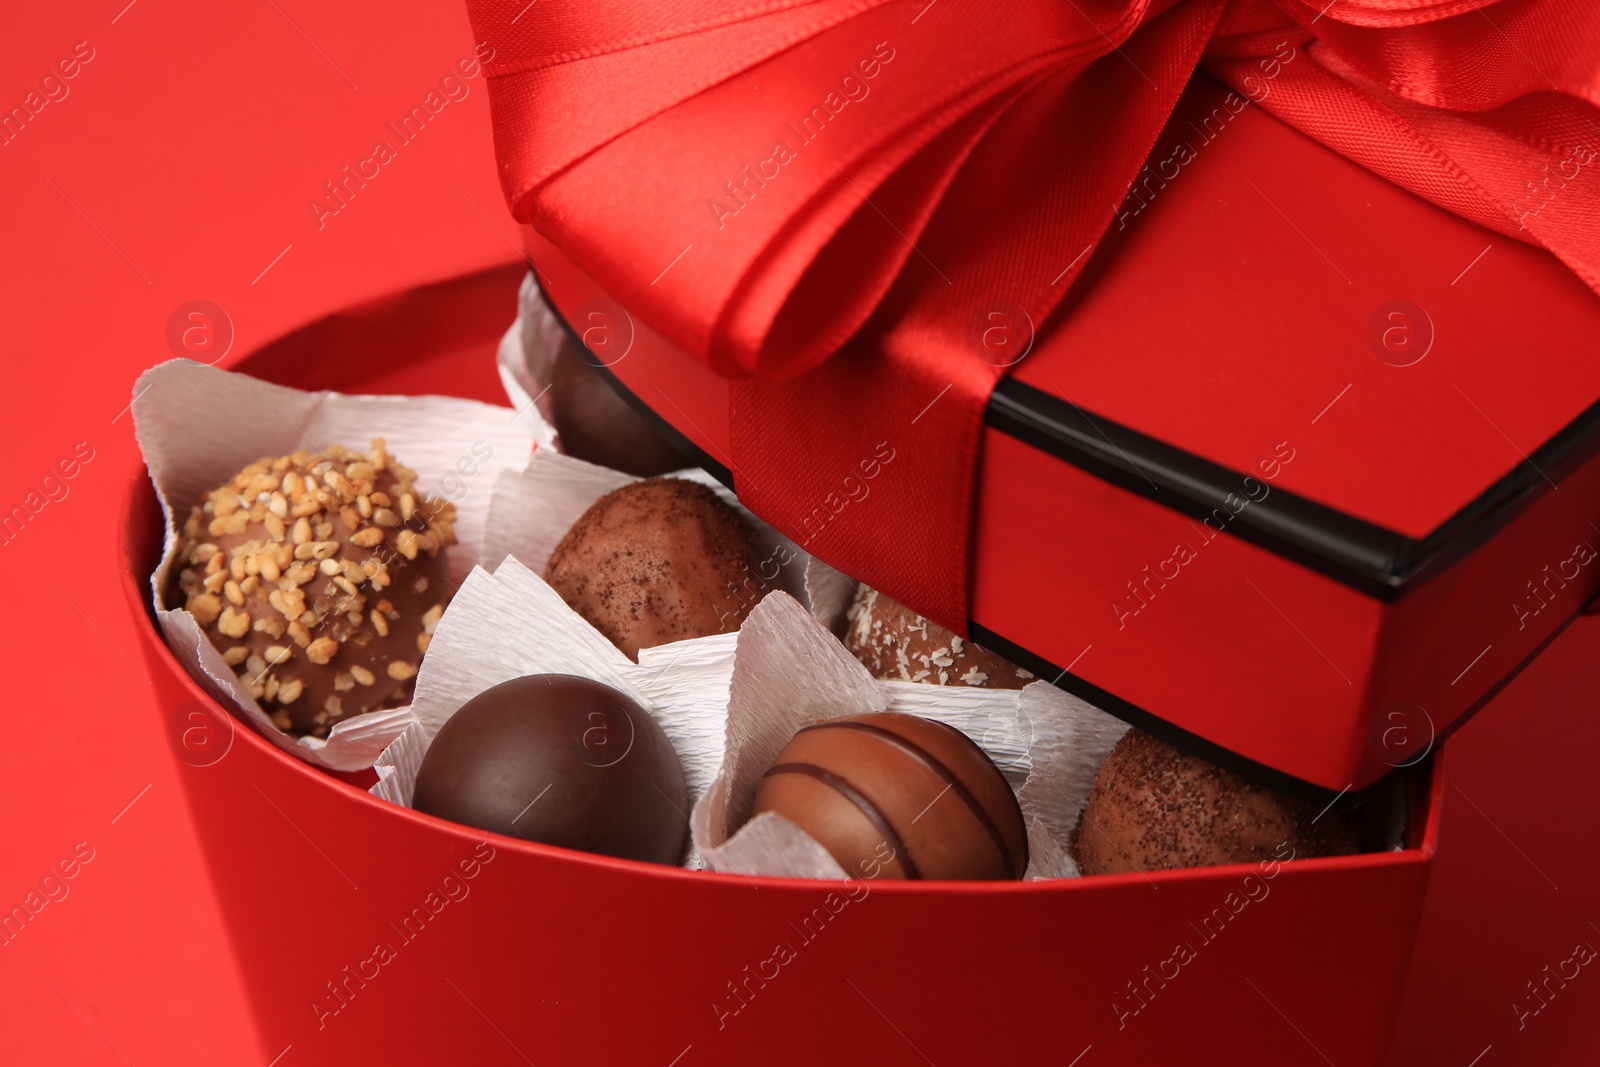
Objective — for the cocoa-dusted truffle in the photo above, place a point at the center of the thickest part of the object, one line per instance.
(319, 577)
(657, 561)
(898, 796)
(1155, 807)
(597, 425)
(892, 641)
(562, 760)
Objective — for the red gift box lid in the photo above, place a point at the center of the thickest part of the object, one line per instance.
(1301, 473)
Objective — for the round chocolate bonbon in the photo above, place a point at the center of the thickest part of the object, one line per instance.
(319, 576)
(657, 561)
(561, 760)
(597, 425)
(1154, 807)
(898, 796)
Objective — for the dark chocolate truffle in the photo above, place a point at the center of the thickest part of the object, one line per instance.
(319, 577)
(892, 641)
(597, 425)
(898, 796)
(561, 760)
(1155, 807)
(657, 561)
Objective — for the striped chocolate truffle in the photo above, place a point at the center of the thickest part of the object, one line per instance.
(898, 796)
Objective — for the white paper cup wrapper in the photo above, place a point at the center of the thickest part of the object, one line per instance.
(198, 426)
(528, 350)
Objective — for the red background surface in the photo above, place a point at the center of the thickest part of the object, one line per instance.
(178, 167)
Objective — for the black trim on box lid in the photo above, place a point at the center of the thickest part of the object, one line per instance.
(1366, 557)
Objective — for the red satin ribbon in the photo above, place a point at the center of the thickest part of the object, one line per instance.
(864, 207)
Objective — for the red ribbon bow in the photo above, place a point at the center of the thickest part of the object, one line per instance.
(771, 183)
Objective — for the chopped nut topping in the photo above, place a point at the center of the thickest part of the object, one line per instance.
(205, 608)
(322, 650)
(290, 691)
(362, 675)
(380, 624)
(268, 625)
(400, 670)
(233, 623)
(371, 537)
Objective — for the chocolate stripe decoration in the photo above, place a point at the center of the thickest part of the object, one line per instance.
(927, 759)
(862, 802)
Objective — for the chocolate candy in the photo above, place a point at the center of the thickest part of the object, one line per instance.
(657, 561)
(561, 760)
(319, 577)
(898, 796)
(596, 424)
(892, 641)
(1155, 807)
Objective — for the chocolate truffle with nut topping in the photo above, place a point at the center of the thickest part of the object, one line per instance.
(657, 561)
(894, 642)
(319, 577)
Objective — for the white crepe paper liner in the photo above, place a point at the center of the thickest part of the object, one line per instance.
(198, 426)
(527, 353)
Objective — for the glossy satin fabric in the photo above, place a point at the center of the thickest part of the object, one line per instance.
(864, 208)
